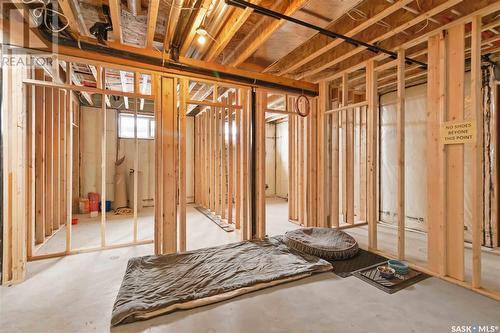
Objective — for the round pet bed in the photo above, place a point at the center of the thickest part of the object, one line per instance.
(326, 243)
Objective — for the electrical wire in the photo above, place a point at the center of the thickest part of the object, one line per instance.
(44, 11)
(423, 27)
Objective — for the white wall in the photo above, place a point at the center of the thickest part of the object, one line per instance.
(282, 159)
(277, 159)
(90, 158)
(270, 159)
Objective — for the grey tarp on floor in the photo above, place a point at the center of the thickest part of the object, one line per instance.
(153, 285)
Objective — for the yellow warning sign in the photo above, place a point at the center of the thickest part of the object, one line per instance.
(453, 132)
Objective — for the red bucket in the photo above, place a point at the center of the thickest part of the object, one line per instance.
(93, 201)
(74, 221)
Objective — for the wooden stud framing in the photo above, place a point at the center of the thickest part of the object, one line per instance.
(261, 166)
(334, 183)
(400, 134)
(312, 165)
(245, 146)
(69, 157)
(349, 148)
(372, 117)
(157, 88)
(454, 154)
(238, 164)
(101, 76)
(168, 178)
(182, 164)
(435, 184)
(477, 151)
(217, 161)
(230, 170)
(151, 25)
(362, 161)
(39, 160)
(56, 164)
(323, 105)
(223, 162)
(116, 15)
(49, 160)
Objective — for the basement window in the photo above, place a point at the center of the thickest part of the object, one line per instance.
(145, 126)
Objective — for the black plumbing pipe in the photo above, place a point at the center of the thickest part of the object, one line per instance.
(253, 163)
(270, 13)
(69, 42)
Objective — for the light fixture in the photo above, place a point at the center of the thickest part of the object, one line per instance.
(202, 39)
(201, 30)
(202, 34)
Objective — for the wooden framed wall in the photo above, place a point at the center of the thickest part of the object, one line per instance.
(223, 149)
(446, 53)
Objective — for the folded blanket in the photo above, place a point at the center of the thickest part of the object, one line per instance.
(155, 285)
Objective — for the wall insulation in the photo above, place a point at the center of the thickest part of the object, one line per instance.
(415, 163)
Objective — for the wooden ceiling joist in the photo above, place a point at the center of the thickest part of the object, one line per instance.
(232, 25)
(65, 5)
(399, 23)
(262, 31)
(375, 10)
(173, 18)
(469, 9)
(116, 18)
(152, 18)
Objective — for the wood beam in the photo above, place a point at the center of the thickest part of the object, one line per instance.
(232, 25)
(322, 105)
(349, 148)
(151, 25)
(435, 156)
(334, 177)
(182, 165)
(400, 133)
(96, 58)
(65, 5)
(39, 160)
(454, 154)
(372, 117)
(168, 177)
(260, 157)
(477, 152)
(173, 18)
(115, 8)
(375, 10)
(262, 31)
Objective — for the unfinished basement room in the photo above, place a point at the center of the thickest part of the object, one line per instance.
(250, 166)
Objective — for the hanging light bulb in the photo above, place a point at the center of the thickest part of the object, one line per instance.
(202, 39)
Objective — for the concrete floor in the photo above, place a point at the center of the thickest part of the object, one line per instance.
(76, 294)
